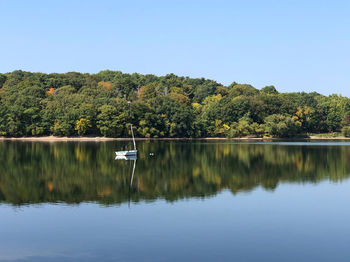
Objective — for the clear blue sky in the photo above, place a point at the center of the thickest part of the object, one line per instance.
(294, 45)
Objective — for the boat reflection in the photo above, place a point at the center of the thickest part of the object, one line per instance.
(134, 157)
(131, 157)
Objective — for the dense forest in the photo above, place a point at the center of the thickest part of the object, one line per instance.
(77, 104)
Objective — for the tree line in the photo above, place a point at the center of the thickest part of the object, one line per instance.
(104, 104)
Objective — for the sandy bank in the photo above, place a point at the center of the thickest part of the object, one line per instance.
(97, 139)
(101, 139)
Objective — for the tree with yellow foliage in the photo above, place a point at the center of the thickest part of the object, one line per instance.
(82, 126)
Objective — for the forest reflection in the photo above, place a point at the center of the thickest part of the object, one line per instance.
(34, 172)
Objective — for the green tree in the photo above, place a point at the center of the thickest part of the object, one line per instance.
(269, 90)
(2, 79)
(110, 122)
(282, 126)
(82, 126)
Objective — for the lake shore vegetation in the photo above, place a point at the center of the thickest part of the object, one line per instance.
(104, 104)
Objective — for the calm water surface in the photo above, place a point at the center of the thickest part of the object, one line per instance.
(191, 201)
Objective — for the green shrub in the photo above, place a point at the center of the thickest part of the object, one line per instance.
(282, 126)
(346, 131)
(245, 127)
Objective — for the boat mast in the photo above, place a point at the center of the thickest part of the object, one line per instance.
(132, 132)
(133, 139)
(133, 171)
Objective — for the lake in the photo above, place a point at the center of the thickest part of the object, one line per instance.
(190, 201)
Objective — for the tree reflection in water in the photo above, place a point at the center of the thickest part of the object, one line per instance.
(34, 172)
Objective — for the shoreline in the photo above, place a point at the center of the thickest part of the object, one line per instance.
(103, 139)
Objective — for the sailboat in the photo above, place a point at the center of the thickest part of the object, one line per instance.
(128, 153)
